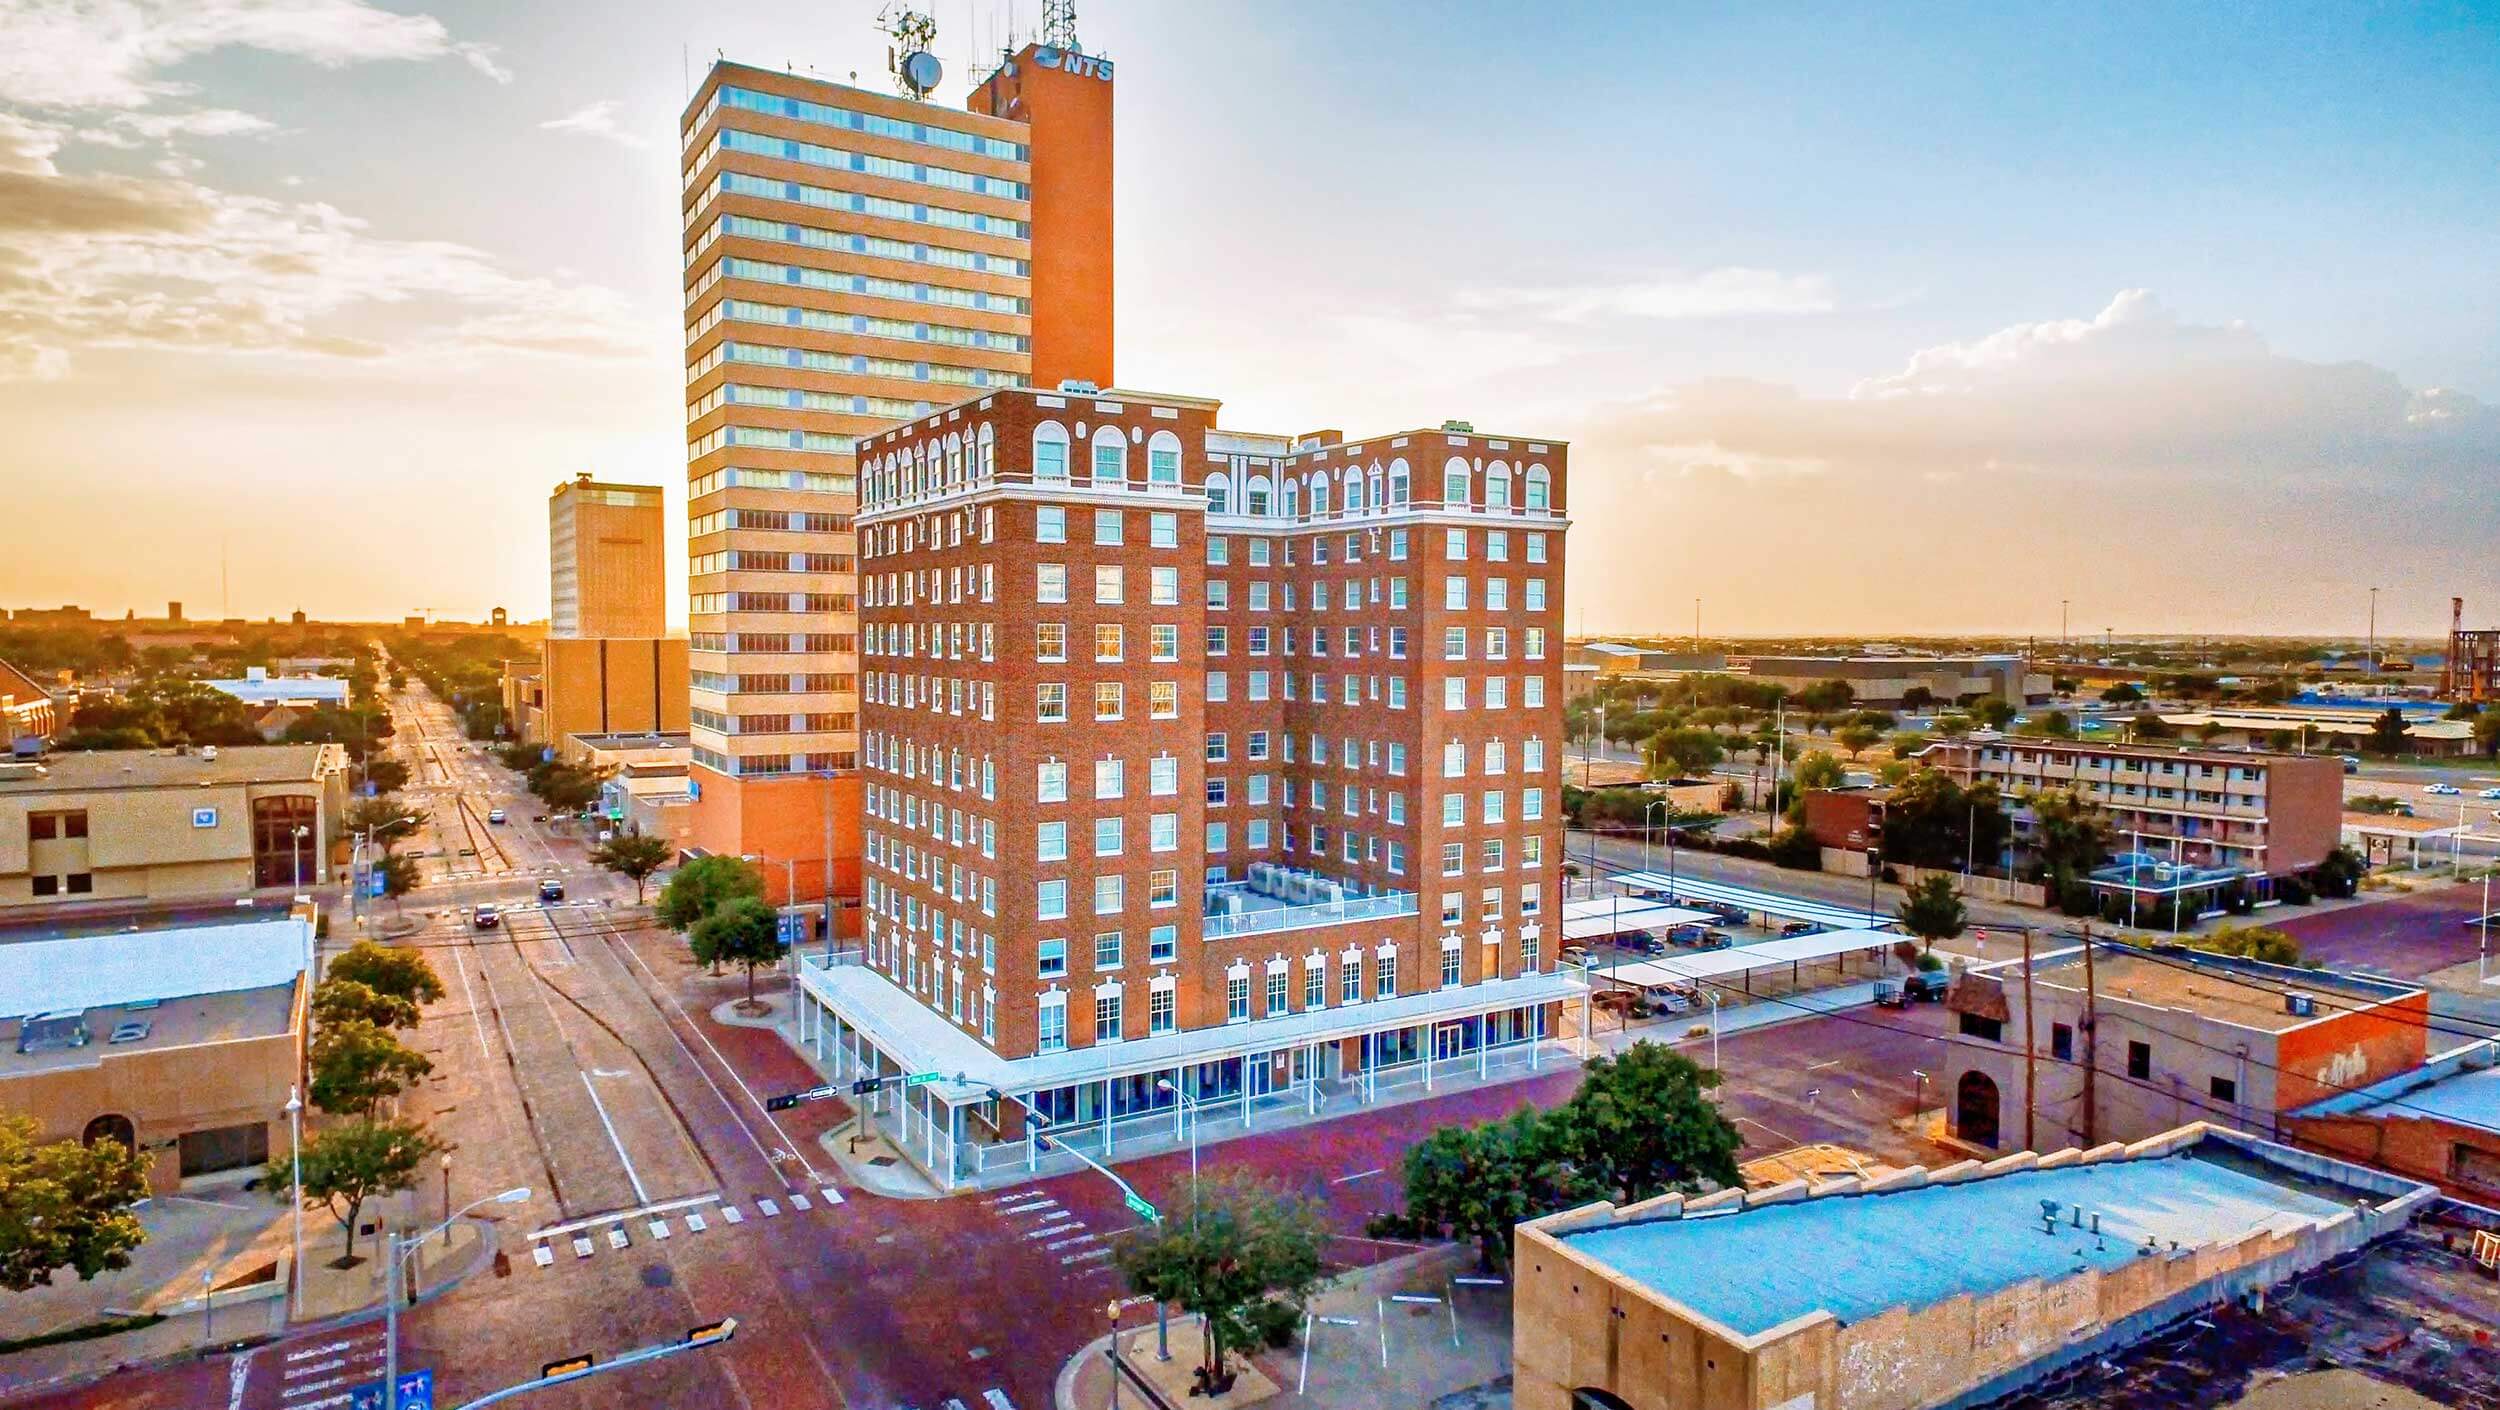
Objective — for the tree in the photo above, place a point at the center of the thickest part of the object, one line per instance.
(2071, 835)
(2389, 734)
(1857, 739)
(1826, 696)
(386, 775)
(1642, 1123)
(1932, 910)
(351, 1163)
(2487, 732)
(1238, 1252)
(2123, 693)
(630, 854)
(1954, 726)
(64, 1204)
(2151, 726)
(388, 819)
(1995, 712)
(399, 874)
(1683, 753)
(356, 1064)
(386, 969)
(2252, 942)
(744, 932)
(702, 886)
(1794, 848)
(337, 1000)
(1917, 698)
(2056, 724)
(1479, 1182)
(565, 788)
(2339, 873)
(1817, 769)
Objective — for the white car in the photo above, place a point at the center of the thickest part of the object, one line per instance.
(2489, 793)
(2446, 790)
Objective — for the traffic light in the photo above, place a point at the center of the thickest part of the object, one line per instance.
(781, 1103)
(863, 1086)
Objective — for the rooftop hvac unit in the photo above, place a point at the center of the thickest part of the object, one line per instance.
(1263, 878)
(1072, 384)
(2299, 1005)
(1331, 891)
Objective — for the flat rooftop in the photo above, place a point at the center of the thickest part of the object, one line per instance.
(1858, 1255)
(137, 966)
(91, 770)
(634, 741)
(2237, 992)
(181, 1023)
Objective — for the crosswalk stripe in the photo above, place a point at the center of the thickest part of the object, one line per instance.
(730, 1213)
(997, 1399)
(581, 1246)
(832, 1195)
(1070, 1227)
(695, 1223)
(1086, 1256)
(768, 1208)
(800, 1202)
(659, 1228)
(542, 1255)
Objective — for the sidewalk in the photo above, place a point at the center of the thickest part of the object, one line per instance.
(1396, 1335)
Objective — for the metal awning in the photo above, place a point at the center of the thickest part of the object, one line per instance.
(1609, 915)
(1687, 889)
(1770, 954)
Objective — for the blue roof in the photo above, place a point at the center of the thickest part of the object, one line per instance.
(2468, 1099)
(1859, 1255)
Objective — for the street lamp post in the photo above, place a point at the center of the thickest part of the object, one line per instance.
(1190, 1112)
(300, 832)
(399, 1251)
(1649, 834)
(295, 1159)
(1874, 868)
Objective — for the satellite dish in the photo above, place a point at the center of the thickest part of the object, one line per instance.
(921, 71)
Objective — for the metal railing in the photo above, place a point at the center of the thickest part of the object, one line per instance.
(1220, 926)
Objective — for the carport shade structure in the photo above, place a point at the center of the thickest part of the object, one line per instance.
(1710, 965)
(1771, 903)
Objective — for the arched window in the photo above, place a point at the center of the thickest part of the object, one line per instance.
(1050, 451)
(1540, 488)
(111, 1127)
(1375, 501)
(1497, 486)
(1319, 494)
(1163, 461)
(1454, 478)
(1259, 495)
(1110, 458)
(1975, 1104)
(1293, 498)
(1353, 480)
(1219, 493)
(954, 460)
(1399, 491)
(988, 464)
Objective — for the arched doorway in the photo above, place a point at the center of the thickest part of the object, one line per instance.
(111, 1127)
(1975, 1109)
(1591, 1398)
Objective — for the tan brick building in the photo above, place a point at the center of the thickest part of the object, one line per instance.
(606, 559)
(1202, 766)
(158, 825)
(183, 1043)
(1951, 1287)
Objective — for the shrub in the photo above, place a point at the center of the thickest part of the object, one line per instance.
(1795, 849)
(2293, 891)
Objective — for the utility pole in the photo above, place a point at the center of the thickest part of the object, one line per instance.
(2031, 1057)
(2373, 668)
(2091, 1046)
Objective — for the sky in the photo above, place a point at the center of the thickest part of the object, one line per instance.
(1914, 321)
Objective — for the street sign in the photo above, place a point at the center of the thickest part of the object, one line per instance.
(919, 1079)
(711, 1332)
(416, 1392)
(565, 1367)
(1141, 1209)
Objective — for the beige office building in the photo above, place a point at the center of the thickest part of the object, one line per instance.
(161, 825)
(605, 558)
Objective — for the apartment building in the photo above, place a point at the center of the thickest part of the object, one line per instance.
(2267, 815)
(606, 573)
(1204, 769)
(2148, 1039)
(853, 260)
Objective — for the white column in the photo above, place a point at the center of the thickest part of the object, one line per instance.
(1310, 1081)
(1180, 1103)
(1245, 1085)
(1484, 1045)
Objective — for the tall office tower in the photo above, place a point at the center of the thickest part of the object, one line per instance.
(1201, 766)
(607, 576)
(852, 260)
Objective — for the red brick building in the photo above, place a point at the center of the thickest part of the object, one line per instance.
(1201, 768)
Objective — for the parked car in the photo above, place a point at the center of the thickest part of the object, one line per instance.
(494, 815)
(551, 890)
(1800, 927)
(1927, 985)
(1625, 1002)
(1573, 955)
(2445, 790)
(485, 918)
(2352, 764)
(1716, 940)
(2489, 793)
(1689, 933)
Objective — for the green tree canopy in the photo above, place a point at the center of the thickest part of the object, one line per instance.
(350, 1163)
(391, 821)
(2123, 693)
(742, 931)
(1995, 712)
(1932, 821)
(356, 1064)
(337, 1000)
(1917, 697)
(701, 886)
(2071, 834)
(1932, 910)
(1642, 1123)
(65, 1205)
(1857, 739)
(1477, 1183)
(1817, 769)
(2389, 734)
(631, 854)
(1683, 753)
(388, 969)
(2251, 942)
(1236, 1248)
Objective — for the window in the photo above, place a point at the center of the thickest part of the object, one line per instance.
(1107, 950)
(1385, 971)
(1453, 692)
(1453, 810)
(2062, 1042)
(1050, 524)
(1052, 959)
(1107, 1017)
(1110, 895)
(1163, 586)
(1108, 641)
(1454, 594)
(1051, 900)
(1163, 700)
(46, 827)
(1974, 1026)
(1050, 641)
(1051, 705)
(1052, 783)
(1162, 942)
(1163, 776)
(1453, 859)
(1350, 990)
(1278, 991)
(1110, 778)
(1163, 642)
(1163, 464)
(1110, 457)
(1163, 530)
(1052, 841)
(1449, 967)
(1110, 527)
(1050, 582)
(1108, 841)
(1159, 1011)
(1050, 452)
(1454, 545)
(2223, 1089)
(1053, 1023)
(1110, 584)
(1453, 643)
(1237, 998)
(2139, 1060)
(1163, 888)
(1109, 697)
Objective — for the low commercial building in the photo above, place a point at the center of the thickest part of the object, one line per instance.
(2330, 729)
(2261, 816)
(2403, 839)
(1949, 1287)
(28, 718)
(259, 688)
(1882, 681)
(2439, 1122)
(182, 1043)
(2148, 1039)
(157, 825)
(1846, 819)
(647, 783)
(1616, 659)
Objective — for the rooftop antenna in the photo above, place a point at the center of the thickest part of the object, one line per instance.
(916, 70)
(1059, 25)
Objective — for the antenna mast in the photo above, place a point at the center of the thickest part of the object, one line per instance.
(1059, 25)
(910, 58)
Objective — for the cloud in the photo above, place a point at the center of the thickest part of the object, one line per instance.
(596, 120)
(112, 54)
(1732, 291)
(108, 260)
(130, 129)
